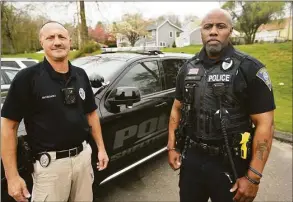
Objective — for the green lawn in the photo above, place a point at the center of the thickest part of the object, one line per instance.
(37, 56)
(278, 60)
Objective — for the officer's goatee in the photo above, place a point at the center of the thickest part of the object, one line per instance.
(214, 49)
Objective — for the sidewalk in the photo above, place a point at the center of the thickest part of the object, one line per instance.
(283, 137)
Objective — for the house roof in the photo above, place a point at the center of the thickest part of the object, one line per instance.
(151, 27)
(197, 28)
(158, 25)
(192, 25)
(274, 25)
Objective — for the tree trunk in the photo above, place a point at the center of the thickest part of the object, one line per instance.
(253, 35)
(132, 42)
(132, 38)
(247, 39)
(84, 30)
(7, 30)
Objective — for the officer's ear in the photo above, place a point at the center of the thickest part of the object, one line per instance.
(41, 39)
(231, 30)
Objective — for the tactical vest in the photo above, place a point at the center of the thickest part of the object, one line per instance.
(205, 104)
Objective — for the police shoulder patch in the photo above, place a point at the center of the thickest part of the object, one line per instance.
(264, 76)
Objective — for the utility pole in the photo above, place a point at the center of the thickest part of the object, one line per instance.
(290, 20)
(83, 26)
(78, 25)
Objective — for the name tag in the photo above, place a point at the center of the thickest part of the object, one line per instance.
(195, 78)
(219, 78)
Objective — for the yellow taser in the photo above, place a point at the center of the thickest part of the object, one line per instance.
(245, 138)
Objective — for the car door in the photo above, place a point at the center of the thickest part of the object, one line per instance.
(133, 131)
(4, 87)
(7, 76)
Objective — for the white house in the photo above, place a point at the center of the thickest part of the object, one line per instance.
(189, 34)
(275, 31)
(122, 41)
(193, 37)
(160, 34)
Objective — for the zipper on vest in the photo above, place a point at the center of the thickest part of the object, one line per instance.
(201, 111)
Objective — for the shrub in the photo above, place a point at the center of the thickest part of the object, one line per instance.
(90, 47)
(174, 44)
(111, 43)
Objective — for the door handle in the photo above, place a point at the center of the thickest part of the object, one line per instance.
(161, 104)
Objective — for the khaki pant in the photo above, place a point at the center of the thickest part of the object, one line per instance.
(67, 179)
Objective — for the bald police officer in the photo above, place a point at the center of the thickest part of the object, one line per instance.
(224, 110)
(57, 103)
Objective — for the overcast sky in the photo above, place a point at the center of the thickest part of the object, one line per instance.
(112, 11)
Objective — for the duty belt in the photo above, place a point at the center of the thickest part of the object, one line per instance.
(64, 153)
(45, 157)
(208, 149)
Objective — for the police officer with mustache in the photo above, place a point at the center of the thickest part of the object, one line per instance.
(57, 104)
(222, 120)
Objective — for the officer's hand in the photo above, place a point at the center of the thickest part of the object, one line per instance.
(246, 191)
(174, 159)
(103, 160)
(17, 189)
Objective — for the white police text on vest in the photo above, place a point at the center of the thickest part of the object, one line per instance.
(219, 78)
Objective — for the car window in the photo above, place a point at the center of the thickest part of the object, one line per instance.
(2, 79)
(29, 63)
(11, 74)
(104, 67)
(145, 76)
(171, 68)
(9, 64)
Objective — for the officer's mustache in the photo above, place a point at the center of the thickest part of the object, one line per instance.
(58, 47)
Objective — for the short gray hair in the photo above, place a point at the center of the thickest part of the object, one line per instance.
(48, 22)
(226, 13)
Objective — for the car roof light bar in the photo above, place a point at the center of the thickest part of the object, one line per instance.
(132, 49)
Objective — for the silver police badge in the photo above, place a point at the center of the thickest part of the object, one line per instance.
(82, 93)
(227, 64)
(45, 160)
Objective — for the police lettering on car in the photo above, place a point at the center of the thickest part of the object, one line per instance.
(223, 97)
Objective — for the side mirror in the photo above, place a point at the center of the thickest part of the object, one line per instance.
(96, 80)
(124, 96)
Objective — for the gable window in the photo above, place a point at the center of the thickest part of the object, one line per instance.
(171, 34)
(177, 34)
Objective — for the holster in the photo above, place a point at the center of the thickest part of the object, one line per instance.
(25, 154)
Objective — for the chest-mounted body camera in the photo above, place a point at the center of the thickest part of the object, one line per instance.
(69, 96)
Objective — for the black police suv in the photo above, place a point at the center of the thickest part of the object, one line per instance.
(134, 93)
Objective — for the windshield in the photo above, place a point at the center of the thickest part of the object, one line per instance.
(11, 73)
(103, 66)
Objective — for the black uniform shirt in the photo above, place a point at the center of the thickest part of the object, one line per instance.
(259, 90)
(35, 95)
